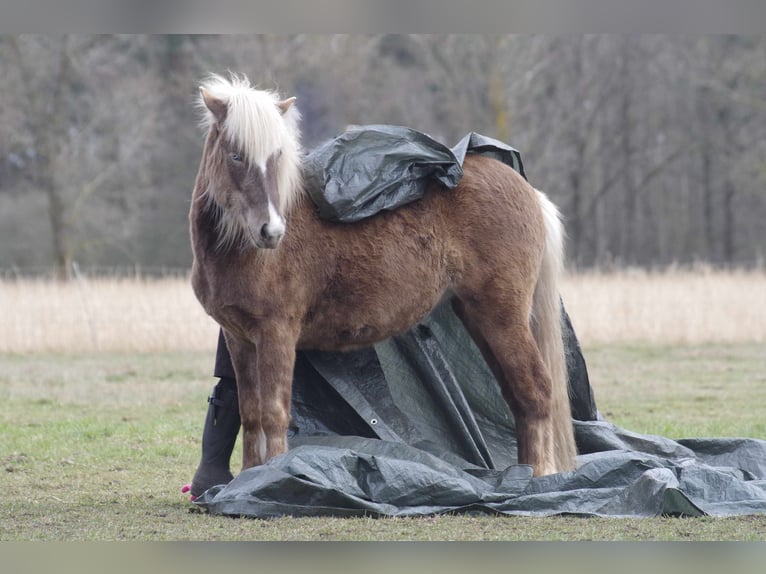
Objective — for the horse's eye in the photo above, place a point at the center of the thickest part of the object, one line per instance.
(235, 157)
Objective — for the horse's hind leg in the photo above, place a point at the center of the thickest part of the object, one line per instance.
(506, 342)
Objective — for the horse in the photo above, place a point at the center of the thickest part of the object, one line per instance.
(277, 278)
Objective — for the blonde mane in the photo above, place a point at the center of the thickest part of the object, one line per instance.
(257, 127)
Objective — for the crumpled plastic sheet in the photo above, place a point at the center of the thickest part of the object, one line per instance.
(371, 168)
(414, 427)
(354, 476)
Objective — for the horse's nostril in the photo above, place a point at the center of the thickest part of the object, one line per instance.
(265, 231)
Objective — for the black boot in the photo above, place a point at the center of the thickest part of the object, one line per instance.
(218, 437)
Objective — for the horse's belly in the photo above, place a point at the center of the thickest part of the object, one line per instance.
(386, 274)
(366, 319)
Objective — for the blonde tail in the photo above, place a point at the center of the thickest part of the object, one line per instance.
(547, 331)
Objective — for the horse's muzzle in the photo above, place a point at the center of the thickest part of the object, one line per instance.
(269, 237)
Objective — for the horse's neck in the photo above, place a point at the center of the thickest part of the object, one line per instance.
(203, 223)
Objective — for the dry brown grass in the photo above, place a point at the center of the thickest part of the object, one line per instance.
(691, 306)
(141, 315)
(135, 315)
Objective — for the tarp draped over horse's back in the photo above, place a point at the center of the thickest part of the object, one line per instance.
(367, 169)
(416, 424)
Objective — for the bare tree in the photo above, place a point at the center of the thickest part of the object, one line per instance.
(81, 129)
(653, 146)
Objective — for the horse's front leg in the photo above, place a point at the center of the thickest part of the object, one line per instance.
(264, 366)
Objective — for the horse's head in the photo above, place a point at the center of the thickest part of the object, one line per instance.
(252, 160)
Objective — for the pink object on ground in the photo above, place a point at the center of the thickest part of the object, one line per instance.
(186, 488)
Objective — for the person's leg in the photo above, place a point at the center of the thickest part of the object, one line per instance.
(222, 424)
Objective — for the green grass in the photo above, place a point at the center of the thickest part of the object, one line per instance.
(96, 447)
(682, 392)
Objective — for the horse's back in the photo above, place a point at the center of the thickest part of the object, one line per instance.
(495, 216)
(492, 193)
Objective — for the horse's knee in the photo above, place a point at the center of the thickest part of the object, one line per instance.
(275, 416)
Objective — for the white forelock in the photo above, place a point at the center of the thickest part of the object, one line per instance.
(256, 126)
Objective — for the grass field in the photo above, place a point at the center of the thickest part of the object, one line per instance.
(103, 396)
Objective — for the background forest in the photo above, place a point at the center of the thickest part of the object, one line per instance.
(654, 147)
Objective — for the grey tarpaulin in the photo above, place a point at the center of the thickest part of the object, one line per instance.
(416, 424)
(367, 169)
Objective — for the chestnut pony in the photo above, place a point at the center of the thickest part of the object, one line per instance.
(277, 278)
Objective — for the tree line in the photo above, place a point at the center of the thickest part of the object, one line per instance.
(653, 146)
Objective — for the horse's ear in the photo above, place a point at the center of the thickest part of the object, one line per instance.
(216, 105)
(284, 105)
